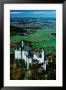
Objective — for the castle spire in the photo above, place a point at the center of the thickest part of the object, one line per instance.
(22, 44)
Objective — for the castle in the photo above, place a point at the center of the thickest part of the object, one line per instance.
(27, 54)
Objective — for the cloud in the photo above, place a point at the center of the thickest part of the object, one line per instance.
(16, 12)
(43, 12)
(38, 12)
(33, 13)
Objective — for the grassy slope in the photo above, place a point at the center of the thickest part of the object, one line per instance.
(41, 38)
(38, 36)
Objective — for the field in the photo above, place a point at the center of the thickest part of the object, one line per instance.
(42, 38)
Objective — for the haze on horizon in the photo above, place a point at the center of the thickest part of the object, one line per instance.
(33, 13)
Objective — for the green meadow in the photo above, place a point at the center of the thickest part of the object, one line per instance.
(42, 38)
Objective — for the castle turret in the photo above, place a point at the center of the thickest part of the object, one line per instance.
(43, 55)
(22, 43)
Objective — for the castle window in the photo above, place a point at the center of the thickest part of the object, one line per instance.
(40, 55)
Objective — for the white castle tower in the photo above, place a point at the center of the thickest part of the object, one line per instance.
(40, 59)
(22, 44)
(17, 54)
(43, 55)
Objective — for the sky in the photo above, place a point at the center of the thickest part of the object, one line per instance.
(33, 13)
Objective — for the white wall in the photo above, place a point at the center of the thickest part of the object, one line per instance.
(17, 54)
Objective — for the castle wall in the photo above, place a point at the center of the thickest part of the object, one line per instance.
(17, 54)
(23, 55)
